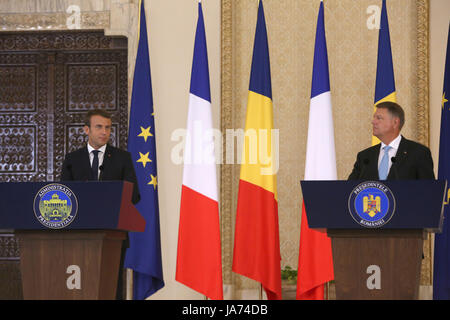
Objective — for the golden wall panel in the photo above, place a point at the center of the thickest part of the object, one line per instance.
(352, 54)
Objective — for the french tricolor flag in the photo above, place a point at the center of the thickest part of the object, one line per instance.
(315, 266)
(199, 262)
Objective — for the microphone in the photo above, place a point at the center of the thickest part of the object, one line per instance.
(366, 162)
(101, 168)
(394, 167)
(67, 170)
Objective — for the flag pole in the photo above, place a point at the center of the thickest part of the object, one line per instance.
(129, 284)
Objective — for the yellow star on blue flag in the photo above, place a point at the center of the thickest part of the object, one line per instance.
(144, 158)
(145, 133)
(153, 182)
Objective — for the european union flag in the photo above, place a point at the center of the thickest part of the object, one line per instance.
(441, 276)
(144, 253)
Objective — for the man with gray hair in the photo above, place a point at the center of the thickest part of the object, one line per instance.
(395, 158)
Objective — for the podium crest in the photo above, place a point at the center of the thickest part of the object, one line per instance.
(371, 204)
(55, 206)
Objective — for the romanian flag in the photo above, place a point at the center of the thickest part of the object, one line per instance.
(441, 275)
(315, 265)
(256, 244)
(385, 83)
(199, 260)
(144, 253)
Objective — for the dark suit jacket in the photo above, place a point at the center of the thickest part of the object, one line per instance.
(413, 161)
(117, 165)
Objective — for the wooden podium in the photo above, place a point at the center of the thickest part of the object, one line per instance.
(376, 259)
(79, 260)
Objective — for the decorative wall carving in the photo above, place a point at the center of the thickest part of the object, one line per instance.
(10, 278)
(80, 40)
(18, 89)
(9, 247)
(42, 50)
(48, 81)
(53, 21)
(17, 152)
(85, 81)
(92, 86)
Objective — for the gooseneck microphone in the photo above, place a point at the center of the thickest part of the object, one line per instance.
(68, 168)
(394, 167)
(364, 168)
(101, 168)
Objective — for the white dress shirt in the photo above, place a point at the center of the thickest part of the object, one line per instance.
(101, 155)
(392, 152)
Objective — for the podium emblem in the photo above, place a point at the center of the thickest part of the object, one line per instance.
(371, 204)
(55, 206)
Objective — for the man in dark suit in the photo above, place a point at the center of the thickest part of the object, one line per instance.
(395, 158)
(100, 161)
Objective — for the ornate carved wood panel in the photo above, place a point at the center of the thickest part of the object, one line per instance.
(48, 81)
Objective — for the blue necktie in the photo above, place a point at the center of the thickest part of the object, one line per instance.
(95, 165)
(384, 165)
